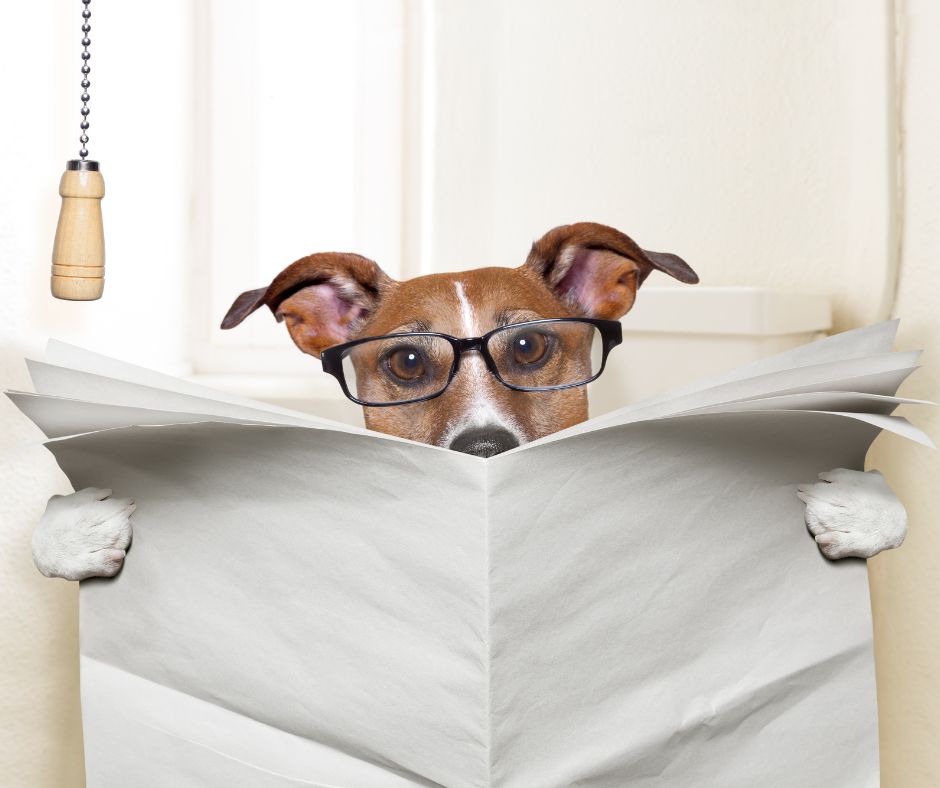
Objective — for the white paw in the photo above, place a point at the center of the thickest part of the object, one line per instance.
(85, 534)
(852, 513)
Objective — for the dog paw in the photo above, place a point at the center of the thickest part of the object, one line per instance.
(85, 534)
(853, 513)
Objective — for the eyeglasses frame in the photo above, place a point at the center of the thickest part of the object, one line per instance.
(332, 357)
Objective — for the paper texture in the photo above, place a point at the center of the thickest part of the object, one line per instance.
(635, 601)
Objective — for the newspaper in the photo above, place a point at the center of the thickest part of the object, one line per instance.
(634, 601)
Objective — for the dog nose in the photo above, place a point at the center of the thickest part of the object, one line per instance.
(484, 441)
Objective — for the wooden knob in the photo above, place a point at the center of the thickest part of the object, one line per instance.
(78, 251)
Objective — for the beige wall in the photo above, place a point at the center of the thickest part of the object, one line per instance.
(758, 139)
(906, 584)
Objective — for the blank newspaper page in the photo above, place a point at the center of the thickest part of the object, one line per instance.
(634, 601)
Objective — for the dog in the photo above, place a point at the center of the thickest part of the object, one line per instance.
(575, 273)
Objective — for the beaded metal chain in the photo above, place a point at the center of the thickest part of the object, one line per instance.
(86, 83)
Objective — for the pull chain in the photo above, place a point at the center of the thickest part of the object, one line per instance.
(78, 249)
(86, 83)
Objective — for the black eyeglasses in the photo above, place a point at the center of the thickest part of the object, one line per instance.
(537, 355)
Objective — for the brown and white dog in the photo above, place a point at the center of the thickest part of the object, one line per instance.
(577, 270)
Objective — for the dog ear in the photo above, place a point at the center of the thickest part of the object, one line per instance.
(598, 269)
(323, 298)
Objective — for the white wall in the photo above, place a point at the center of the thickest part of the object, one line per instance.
(756, 139)
(140, 126)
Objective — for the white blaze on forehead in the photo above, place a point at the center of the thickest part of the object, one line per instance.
(481, 409)
(467, 321)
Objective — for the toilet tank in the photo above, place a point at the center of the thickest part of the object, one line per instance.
(675, 335)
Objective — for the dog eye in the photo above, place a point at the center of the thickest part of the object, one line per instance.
(529, 347)
(406, 363)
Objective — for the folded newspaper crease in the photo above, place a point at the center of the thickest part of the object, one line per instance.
(633, 601)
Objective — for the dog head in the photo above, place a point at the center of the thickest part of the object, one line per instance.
(577, 270)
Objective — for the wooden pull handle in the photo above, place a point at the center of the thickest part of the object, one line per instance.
(78, 251)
